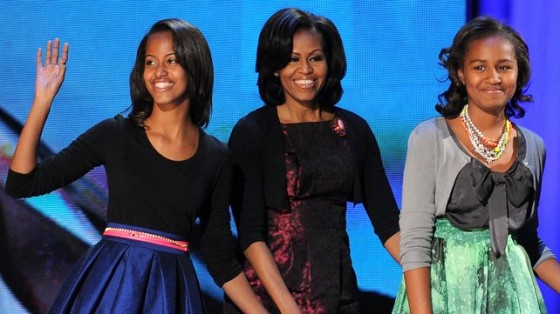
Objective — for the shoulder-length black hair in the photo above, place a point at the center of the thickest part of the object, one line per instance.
(275, 49)
(454, 98)
(193, 54)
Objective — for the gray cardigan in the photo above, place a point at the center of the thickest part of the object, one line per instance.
(432, 164)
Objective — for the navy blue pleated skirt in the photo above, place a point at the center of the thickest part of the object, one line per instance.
(127, 276)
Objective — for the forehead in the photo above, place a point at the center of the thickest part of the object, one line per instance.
(491, 47)
(307, 37)
(160, 41)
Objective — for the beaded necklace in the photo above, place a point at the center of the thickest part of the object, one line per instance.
(478, 139)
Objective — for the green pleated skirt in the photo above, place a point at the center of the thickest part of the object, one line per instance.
(466, 277)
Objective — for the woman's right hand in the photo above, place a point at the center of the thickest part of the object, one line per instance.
(264, 264)
(50, 76)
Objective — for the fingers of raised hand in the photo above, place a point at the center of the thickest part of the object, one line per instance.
(52, 55)
(64, 57)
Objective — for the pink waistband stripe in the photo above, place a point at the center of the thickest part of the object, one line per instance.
(146, 237)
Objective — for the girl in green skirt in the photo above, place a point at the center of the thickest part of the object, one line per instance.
(472, 181)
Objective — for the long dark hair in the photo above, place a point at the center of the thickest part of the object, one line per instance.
(452, 101)
(193, 54)
(275, 49)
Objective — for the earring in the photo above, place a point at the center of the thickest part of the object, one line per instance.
(276, 74)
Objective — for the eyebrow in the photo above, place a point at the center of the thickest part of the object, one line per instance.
(312, 52)
(483, 60)
(167, 55)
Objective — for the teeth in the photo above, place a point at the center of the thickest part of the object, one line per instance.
(305, 83)
(163, 84)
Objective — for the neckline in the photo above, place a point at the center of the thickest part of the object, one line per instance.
(199, 148)
(277, 117)
(307, 122)
(519, 143)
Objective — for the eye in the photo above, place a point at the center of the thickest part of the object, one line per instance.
(294, 59)
(172, 61)
(479, 68)
(317, 58)
(503, 68)
(149, 62)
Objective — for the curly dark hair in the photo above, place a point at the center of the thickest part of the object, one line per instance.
(452, 101)
(193, 55)
(275, 49)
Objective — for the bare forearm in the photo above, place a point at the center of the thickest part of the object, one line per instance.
(549, 272)
(239, 291)
(392, 246)
(48, 80)
(262, 261)
(418, 290)
(25, 154)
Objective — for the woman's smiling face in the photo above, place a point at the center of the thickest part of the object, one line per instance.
(305, 74)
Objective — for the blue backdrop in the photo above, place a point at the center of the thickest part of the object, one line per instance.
(392, 81)
(535, 20)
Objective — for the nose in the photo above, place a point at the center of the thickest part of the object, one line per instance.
(160, 71)
(494, 76)
(305, 67)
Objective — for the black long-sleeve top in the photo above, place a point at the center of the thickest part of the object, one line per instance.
(147, 189)
(260, 174)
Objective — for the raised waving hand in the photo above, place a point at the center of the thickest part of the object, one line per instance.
(50, 76)
(48, 80)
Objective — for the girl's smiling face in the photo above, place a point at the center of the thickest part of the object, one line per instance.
(165, 78)
(489, 73)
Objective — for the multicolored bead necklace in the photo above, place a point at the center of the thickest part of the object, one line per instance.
(478, 140)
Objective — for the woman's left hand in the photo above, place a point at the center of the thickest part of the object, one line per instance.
(50, 76)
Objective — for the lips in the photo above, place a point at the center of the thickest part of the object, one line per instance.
(494, 90)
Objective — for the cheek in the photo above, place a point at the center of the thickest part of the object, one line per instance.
(183, 77)
(323, 70)
(513, 89)
(510, 83)
(145, 78)
(514, 82)
(283, 82)
(470, 90)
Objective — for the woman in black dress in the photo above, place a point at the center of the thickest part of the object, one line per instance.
(297, 161)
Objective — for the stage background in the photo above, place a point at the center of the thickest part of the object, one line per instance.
(534, 20)
(392, 81)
